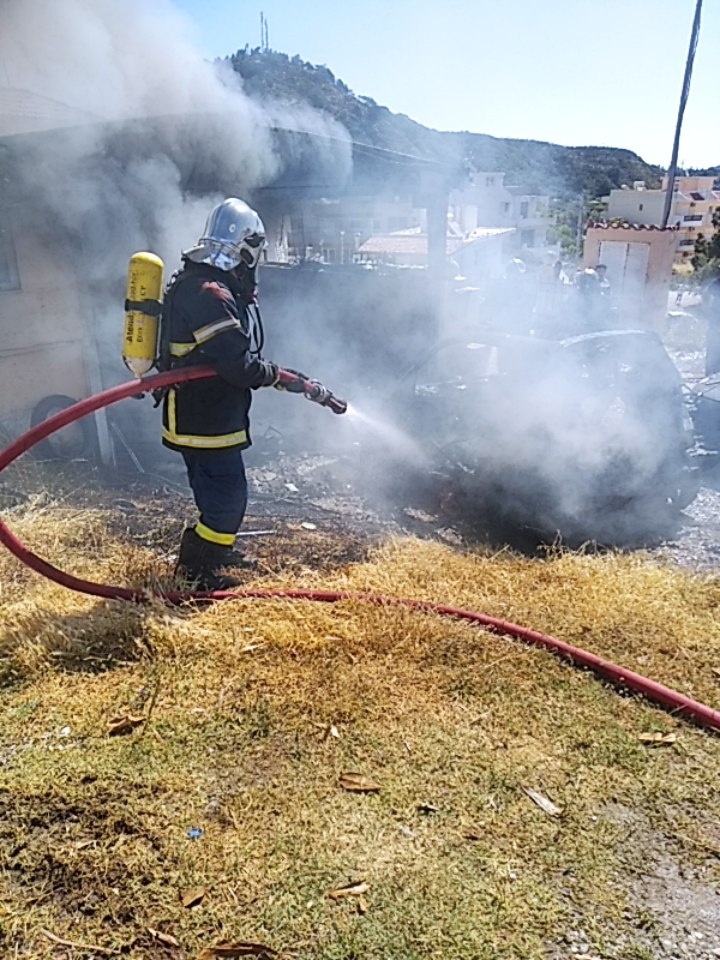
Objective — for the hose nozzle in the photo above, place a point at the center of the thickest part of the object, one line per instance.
(295, 382)
(319, 393)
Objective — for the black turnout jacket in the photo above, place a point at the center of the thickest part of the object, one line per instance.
(207, 318)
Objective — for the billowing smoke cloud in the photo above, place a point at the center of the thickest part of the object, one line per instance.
(165, 133)
(125, 139)
(112, 61)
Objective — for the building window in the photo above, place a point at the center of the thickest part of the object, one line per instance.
(9, 277)
(506, 208)
(640, 206)
(524, 207)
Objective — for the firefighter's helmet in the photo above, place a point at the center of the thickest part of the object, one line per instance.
(233, 234)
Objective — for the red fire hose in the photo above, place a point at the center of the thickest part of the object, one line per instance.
(672, 700)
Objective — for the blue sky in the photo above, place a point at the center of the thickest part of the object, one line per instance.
(603, 72)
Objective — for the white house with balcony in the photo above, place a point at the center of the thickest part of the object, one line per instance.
(694, 201)
(489, 203)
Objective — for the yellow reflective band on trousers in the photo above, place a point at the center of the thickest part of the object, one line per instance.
(224, 539)
(197, 442)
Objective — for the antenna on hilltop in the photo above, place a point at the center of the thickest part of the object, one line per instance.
(264, 33)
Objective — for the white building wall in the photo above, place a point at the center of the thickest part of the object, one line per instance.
(489, 203)
(637, 206)
(691, 210)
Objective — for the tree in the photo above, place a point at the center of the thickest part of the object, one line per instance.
(714, 243)
(700, 257)
(706, 259)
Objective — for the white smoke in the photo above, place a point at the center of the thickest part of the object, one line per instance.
(160, 131)
(112, 60)
(130, 72)
(117, 137)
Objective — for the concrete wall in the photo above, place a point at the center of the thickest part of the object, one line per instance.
(636, 206)
(639, 261)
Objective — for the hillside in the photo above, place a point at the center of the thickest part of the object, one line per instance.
(538, 166)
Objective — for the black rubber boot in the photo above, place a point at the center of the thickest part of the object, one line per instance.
(201, 561)
(236, 558)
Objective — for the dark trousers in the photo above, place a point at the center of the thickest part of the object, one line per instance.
(219, 486)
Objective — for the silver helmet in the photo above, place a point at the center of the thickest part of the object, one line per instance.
(233, 234)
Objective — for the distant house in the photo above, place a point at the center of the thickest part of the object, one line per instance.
(488, 202)
(478, 256)
(694, 201)
(333, 229)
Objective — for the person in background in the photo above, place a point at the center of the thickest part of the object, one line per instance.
(601, 271)
(210, 316)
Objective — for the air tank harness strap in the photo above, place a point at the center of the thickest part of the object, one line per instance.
(165, 361)
(150, 307)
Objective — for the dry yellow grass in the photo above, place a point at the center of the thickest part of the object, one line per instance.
(256, 708)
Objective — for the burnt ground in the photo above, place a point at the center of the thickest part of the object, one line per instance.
(356, 491)
(694, 540)
(360, 490)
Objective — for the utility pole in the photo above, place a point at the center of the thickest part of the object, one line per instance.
(580, 224)
(672, 169)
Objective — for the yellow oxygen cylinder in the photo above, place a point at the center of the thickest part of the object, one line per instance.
(142, 312)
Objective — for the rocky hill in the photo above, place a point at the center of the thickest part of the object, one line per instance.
(542, 167)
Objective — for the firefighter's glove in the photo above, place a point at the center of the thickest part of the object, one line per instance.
(292, 386)
(272, 374)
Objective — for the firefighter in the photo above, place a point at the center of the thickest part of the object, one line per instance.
(591, 305)
(601, 271)
(211, 317)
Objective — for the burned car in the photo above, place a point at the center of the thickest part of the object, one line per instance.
(587, 436)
